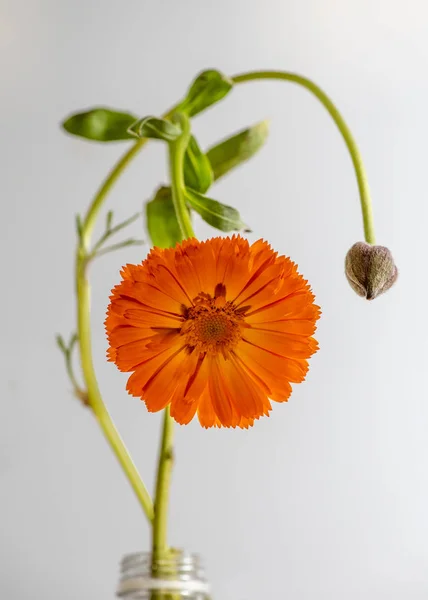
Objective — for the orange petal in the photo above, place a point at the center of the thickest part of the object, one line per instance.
(147, 369)
(247, 396)
(183, 411)
(220, 395)
(203, 258)
(293, 307)
(159, 389)
(278, 387)
(261, 254)
(188, 274)
(232, 261)
(206, 415)
(236, 271)
(278, 288)
(292, 370)
(169, 283)
(292, 326)
(268, 278)
(198, 379)
(193, 380)
(125, 334)
(150, 296)
(183, 407)
(284, 344)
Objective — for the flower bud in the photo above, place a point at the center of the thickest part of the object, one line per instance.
(370, 270)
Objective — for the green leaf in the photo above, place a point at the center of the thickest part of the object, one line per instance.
(109, 220)
(110, 231)
(100, 124)
(218, 215)
(155, 128)
(79, 227)
(61, 344)
(208, 88)
(118, 246)
(162, 222)
(198, 174)
(235, 150)
(73, 339)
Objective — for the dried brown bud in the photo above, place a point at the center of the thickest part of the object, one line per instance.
(370, 270)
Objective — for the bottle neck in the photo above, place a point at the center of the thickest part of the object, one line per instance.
(181, 574)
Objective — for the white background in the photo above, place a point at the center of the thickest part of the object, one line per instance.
(326, 499)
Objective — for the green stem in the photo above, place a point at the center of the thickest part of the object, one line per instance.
(166, 452)
(94, 396)
(84, 335)
(366, 205)
(78, 391)
(177, 150)
(163, 483)
(115, 173)
(95, 207)
(83, 292)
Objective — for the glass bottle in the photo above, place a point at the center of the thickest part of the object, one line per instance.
(178, 577)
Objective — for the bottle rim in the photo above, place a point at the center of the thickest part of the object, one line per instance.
(179, 572)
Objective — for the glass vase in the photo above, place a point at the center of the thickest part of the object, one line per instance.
(178, 577)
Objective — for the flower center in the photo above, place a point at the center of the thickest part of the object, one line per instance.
(212, 325)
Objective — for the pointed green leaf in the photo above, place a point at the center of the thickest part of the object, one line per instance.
(79, 226)
(61, 344)
(118, 246)
(198, 174)
(112, 230)
(162, 222)
(73, 339)
(109, 220)
(208, 88)
(218, 215)
(100, 124)
(156, 128)
(235, 150)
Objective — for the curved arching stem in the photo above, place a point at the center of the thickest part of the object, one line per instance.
(363, 186)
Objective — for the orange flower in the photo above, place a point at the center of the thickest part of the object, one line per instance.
(218, 327)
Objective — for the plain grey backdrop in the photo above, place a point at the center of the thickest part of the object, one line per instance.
(326, 499)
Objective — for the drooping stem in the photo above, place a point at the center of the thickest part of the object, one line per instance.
(366, 205)
(94, 397)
